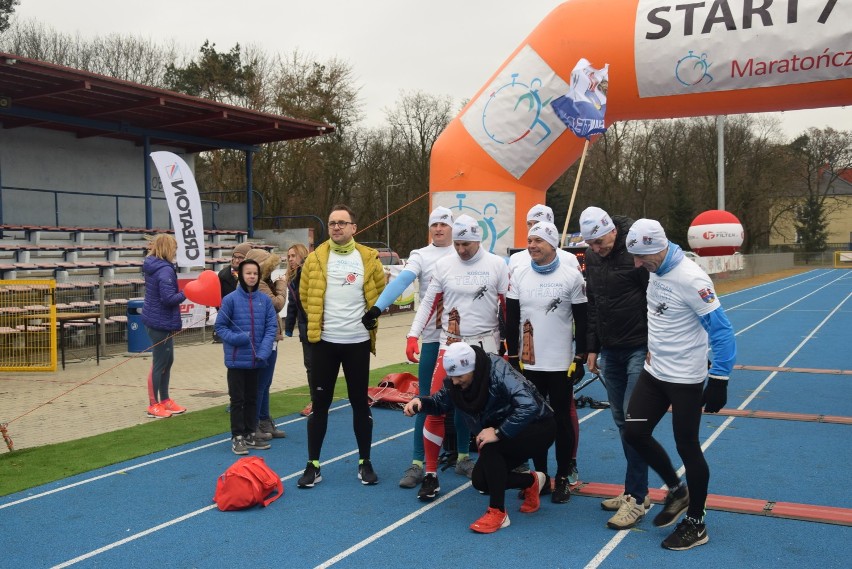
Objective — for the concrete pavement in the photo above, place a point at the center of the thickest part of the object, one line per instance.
(87, 399)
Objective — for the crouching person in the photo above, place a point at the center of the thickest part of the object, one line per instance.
(511, 421)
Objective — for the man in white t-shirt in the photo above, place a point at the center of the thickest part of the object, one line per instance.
(546, 298)
(421, 265)
(538, 213)
(466, 292)
(685, 318)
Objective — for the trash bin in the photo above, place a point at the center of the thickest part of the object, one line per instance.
(138, 339)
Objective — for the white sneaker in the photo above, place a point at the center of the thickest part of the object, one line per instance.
(628, 515)
(614, 504)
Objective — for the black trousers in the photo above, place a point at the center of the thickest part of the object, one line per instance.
(556, 386)
(242, 389)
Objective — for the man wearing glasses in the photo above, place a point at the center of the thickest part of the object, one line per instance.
(341, 280)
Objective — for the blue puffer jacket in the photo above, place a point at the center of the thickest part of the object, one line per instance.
(513, 402)
(162, 297)
(247, 324)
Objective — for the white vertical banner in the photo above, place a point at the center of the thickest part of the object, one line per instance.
(184, 207)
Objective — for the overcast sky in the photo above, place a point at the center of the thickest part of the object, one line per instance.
(441, 47)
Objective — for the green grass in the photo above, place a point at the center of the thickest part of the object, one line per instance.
(27, 468)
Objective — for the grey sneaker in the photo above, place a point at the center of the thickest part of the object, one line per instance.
(252, 442)
(628, 515)
(268, 427)
(677, 502)
(614, 504)
(238, 445)
(412, 477)
(261, 436)
(465, 466)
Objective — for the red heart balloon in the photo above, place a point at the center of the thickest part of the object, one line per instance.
(205, 289)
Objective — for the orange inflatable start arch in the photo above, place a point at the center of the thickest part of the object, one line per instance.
(591, 61)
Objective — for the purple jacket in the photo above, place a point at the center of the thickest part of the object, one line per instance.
(162, 297)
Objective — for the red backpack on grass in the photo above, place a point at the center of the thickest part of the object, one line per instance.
(247, 482)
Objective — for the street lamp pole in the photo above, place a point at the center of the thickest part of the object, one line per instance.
(387, 211)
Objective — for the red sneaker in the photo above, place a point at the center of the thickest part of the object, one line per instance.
(157, 411)
(307, 410)
(493, 520)
(532, 497)
(170, 405)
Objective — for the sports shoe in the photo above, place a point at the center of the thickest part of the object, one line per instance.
(238, 445)
(170, 405)
(562, 491)
(628, 515)
(677, 501)
(261, 436)
(532, 500)
(493, 520)
(614, 504)
(366, 474)
(429, 488)
(411, 477)
(465, 466)
(252, 442)
(311, 476)
(157, 411)
(543, 491)
(574, 474)
(309, 408)
(268, 427)
(688, 534)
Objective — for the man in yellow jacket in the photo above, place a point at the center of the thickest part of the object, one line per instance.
(340, 281)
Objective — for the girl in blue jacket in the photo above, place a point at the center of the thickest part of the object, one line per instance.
(247, 324)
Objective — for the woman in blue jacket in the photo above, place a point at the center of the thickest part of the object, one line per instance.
(161, 316)
(247, 323)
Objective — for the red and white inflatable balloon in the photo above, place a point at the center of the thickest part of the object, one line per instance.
(714, 233)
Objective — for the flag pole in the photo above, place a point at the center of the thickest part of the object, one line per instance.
(574, 192)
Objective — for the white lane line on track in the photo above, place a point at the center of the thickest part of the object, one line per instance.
(595, 562)
(413, 515)
(200, 511)
(735, 307)
(141, 465)
(751, 288)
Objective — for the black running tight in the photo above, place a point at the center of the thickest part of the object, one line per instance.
(648, 404)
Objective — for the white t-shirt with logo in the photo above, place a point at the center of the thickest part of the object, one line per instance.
(545, 302)
(343, 305)
(522, 258)
(472, 289)
(677, 341)
(422, 262)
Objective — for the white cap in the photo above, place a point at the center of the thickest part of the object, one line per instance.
(441, 214)
(595, 223)
(459, 359)
(465, 228)
(646, 237)
(540, 212)
(546, 231)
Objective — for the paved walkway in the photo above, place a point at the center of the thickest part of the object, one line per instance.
(88, 399)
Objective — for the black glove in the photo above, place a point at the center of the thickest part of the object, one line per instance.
(515, 362)
(371, 318)
(715, 394)
(576, 372)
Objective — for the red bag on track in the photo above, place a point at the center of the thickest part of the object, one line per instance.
(247, 482)
(395, 390)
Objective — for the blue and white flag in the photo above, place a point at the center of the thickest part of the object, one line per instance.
(583, 107)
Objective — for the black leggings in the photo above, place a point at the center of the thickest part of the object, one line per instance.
(493, 471)
(648, 404)
(556, 386)
(242, 389)
(326, 359)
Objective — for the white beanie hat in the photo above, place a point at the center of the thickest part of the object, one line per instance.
(546, 231)
(459, 359)
(595, 223)
(646, 237)
(465, 228)
(540, 212)
(440, 214)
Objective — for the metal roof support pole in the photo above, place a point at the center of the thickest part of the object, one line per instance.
(249, 197)
(149, 209)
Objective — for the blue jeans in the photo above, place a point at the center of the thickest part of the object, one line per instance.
(264, 382)
(621, 368)
(428, 359)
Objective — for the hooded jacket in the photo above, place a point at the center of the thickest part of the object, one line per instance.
(162, 297)
(247, 323)
(276, 291)
(615, 289)
(513, 402)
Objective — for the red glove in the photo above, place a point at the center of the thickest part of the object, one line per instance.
(411, 348)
